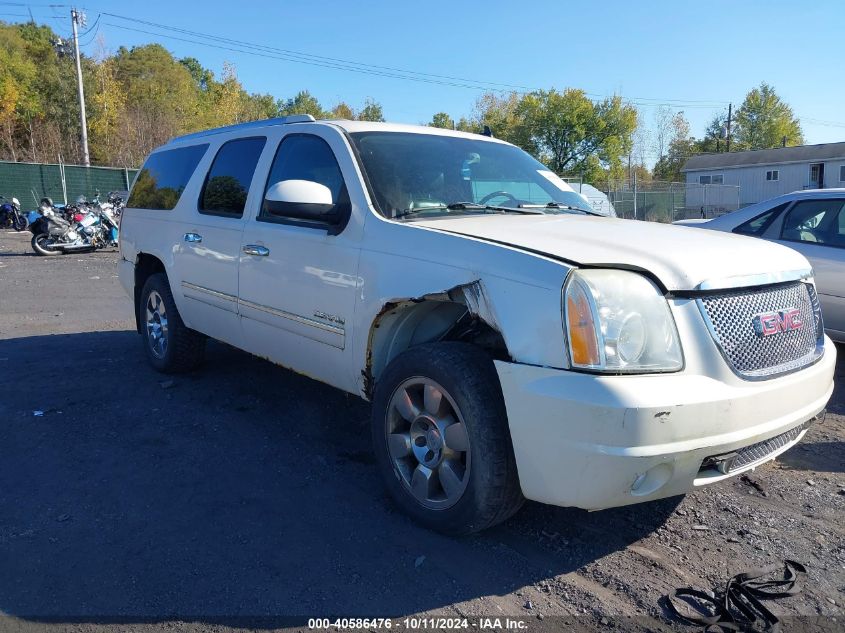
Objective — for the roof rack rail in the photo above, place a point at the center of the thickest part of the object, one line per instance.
(282, 120)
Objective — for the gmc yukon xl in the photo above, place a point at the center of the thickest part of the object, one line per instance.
(513, 344)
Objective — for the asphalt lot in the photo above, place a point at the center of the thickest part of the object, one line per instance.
(243, 494)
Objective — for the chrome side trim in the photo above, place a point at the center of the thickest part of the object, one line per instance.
(209, 291)
(760, 279)
(292, 317)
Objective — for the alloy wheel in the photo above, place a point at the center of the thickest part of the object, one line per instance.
(428, 443)
(156, 320)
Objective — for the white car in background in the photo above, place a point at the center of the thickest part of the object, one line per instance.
(813, 223)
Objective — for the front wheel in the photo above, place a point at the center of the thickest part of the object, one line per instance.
(442, 441)
(41, 245)
(21, 222)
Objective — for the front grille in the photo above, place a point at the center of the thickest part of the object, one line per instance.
(761, 450)
(731, 318)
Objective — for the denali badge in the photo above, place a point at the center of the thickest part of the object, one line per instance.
(777, 321)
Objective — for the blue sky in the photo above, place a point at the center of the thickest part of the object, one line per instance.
(695, 56)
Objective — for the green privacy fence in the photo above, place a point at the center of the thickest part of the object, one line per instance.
(29, 182)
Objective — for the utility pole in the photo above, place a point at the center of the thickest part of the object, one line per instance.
(78, 18)
(728, 139)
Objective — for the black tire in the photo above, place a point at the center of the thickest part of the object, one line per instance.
(492, 493)
(39, 248)
(21, 222)
(185, 348)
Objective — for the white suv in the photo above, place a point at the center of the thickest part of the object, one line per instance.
(513, 344)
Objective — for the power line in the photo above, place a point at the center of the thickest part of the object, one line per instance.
(261, 50)
(334, 63)
(311, 63)
(311, 56)
(90, 39)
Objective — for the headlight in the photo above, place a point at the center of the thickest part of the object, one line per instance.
(618, 322)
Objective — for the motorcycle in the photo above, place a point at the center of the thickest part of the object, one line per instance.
(54, 234)
(117, 200)
(11, 216)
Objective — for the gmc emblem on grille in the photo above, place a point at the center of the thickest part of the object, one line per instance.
(777, 321)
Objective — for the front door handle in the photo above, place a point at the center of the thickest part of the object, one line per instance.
(194, 238)
(255, 249)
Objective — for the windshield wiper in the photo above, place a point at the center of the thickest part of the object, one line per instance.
(463, 206)
(560, 205)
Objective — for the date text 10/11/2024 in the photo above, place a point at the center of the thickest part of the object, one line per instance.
(417, 624)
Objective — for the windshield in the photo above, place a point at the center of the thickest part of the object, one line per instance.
(422, 175)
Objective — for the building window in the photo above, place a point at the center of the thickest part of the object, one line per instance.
(717, 179)
(842, 173)
(704, 180)
(773, 174)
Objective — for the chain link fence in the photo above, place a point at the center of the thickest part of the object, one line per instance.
(659, 201)
(29, 182)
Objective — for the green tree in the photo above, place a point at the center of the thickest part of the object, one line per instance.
(567, 129)
(201, 76)
(501, 114)
(372, 111)
(229, 98)
(108, 106)
(468, 125)
(442, 120)
(343, 111)
(303, 103)
(715, 135)
(764, 121)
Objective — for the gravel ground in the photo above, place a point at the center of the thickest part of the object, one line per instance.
(243, 494)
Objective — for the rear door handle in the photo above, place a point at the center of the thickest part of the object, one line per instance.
(194, 238)
(255, 249)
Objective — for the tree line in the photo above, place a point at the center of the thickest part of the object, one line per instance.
(137, 98)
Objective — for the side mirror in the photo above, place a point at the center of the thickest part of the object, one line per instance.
(301, 200)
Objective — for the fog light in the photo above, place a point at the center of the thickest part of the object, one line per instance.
(651, 480)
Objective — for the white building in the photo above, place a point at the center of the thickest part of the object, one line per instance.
(766, 173)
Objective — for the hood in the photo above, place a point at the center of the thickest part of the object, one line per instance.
(680, 257)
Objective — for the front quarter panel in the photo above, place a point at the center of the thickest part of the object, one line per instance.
(518, 294)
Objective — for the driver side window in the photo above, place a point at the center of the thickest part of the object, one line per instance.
(305, 157)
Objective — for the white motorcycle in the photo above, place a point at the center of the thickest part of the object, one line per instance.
(53, 234)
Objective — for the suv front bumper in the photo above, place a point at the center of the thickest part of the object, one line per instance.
(597, 442)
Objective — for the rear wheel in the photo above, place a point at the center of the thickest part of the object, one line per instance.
(442, 441)
(41, 243)
(170, 345)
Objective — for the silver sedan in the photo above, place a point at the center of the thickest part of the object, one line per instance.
(813, 223)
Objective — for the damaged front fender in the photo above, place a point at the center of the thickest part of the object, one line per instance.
(520, 321)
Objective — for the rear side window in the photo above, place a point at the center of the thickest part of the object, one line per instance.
(757, 226)
(227, 183)
(163, 178)
(814, 221)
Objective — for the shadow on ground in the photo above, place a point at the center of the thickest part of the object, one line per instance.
(235, 495)
(821, 457)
